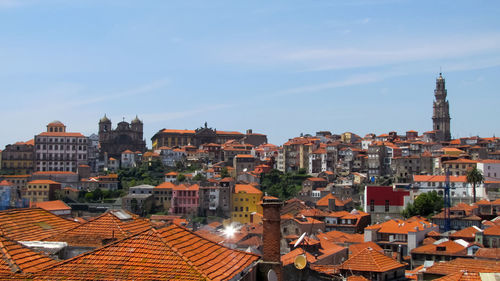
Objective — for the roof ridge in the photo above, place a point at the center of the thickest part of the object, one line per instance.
(96, 249)
(194, 233)
(173, 248)
(7, 257)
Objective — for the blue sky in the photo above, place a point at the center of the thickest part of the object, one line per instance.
(279, 67)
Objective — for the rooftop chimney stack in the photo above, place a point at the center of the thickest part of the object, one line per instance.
(271, 238)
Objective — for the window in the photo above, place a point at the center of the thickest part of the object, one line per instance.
(386, 206)
(372, 205)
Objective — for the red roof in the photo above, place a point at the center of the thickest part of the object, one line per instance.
(246, 188)
(56, 205)
(379, 194)
(369, 260)
(61, 134)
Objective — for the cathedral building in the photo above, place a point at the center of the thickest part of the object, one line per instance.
(113, 142)
(204, 135)
(441, 113)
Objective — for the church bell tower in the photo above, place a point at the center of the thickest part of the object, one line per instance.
(441, 113)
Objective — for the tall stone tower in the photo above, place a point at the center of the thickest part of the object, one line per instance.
(441, 114)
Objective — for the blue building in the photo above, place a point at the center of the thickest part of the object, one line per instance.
(5, 194)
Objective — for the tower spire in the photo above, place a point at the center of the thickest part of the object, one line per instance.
(441, 113)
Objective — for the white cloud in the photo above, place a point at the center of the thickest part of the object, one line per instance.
(390, 52)
(350, 81)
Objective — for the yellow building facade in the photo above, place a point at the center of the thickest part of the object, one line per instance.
(246, 200)
(41, 190)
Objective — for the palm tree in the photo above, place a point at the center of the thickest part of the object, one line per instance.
(474, 177)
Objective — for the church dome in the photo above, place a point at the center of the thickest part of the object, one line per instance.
(56, 123)
(136, 120)
(104, 119)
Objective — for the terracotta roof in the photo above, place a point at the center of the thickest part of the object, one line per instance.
(324, 201)
(214, 260)
(438, 178)
(448, 248)
(370, 260)
(401, 226)
(172, 131)
(428, 240)
(144, 256)
(469, 232)
(356, 278)
(327, 269)
(43, 182)
(61, 134)
(316, 179)
(209, 235)
(55, 205)
(246, 188)
(458, 264)
(461, 276)
(16, 258)
(460, 161)
(358, 247)
(491, 253)
(252, 241)
(32, 224)
(492, 230)
(289, 258)
(6, 183)
(107, 226)
(168, 185)
(341, 237)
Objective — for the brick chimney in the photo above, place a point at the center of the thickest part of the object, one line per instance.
(271, 258)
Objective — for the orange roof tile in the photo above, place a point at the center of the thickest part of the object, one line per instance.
(32, 224)
(289, 258)
(459, 264)
(61, 134)
(107, 226)
(167, 185)
(370, 260)
(324, 201)
(469, 232)
(5, 183)
(246, 188)
(356, 278)
(358, 247)
(214, 260)
(438, 178)
(16, 258)
(43, 182)
(491, 253)
(341, 237)
(448, 248)
(397, 226)
(144, 256)
(461, 276)
(51, 205)
(460, 161)
(492, 230)
(173, 131)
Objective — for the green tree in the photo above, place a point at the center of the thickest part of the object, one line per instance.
(474, 177)
(200, 177)
(283, 185)
(181, 177)
(424, 205)
(224, 173)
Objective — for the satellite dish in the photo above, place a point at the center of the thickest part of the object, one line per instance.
(244, 170)
(300, 239)
(300, 261)
(271, 275)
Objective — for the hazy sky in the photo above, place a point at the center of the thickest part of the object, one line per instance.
(279, 67)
